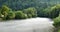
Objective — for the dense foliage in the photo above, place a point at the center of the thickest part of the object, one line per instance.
(50, 12)
(57, 21)
(20, 15)
(31, 11)
(10, 15)
(22, 9)
(23, 4)
(6, 13)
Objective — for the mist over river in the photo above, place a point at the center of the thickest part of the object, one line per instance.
(27, 25)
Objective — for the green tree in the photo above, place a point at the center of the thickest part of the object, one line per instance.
(55, 11)
(31, 11)
(29, 16)
(51, 12)
(11, 15)
(57, 21)
(24, 16)
(4, 11)
(20, 15)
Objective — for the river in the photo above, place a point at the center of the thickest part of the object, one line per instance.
(27, 25)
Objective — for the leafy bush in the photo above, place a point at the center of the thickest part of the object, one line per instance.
(50, 12)
(4, 11)
(55, 11)
(59, 30)
(57, 21)
(20, 15)
(31, 11)
(25, 16)
(11, 15)
(29, 16)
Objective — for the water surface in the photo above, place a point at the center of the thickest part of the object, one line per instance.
(27, 25)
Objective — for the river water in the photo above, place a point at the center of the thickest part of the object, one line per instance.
(27, 25)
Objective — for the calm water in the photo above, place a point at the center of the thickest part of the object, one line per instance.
(27, 25)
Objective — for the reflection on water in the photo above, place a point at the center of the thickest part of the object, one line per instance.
(27, 25)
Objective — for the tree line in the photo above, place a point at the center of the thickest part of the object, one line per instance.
(6, 13)
(50, 12)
